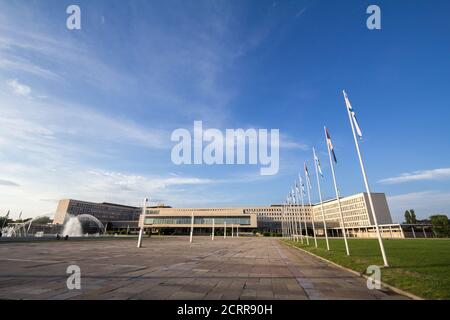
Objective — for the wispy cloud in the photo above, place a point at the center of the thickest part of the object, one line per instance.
(8, 183)
(435, 174)
(18, 88)
(300, 13)
(425, 203)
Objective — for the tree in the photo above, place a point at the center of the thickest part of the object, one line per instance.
(42, 220)
(413, 216)
(410, 217)
(441, 225)
(407, 217)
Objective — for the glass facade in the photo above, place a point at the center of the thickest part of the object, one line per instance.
(198, 220)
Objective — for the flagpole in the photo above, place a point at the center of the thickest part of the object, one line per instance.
(321, 202)
(283, 221)
(312, 214)
(304, 212)
(337, 194)
(294, 227)
(374, 216)
(286, 230)
(212, 233)
(299, 218)
(288, 226)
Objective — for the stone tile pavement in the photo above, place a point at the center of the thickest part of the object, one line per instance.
(172, 268)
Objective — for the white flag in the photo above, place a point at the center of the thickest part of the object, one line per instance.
(353, 115)
(308, 179)
(316, 159)
(302, 185)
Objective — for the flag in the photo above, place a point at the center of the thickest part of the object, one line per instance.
(308, 179)
(297, 189)
(330, 145)
(353, 115)
(302, 185)
(20, 215)
(293, 196)
(316, 159)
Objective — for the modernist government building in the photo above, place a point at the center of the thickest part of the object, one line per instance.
(356, 213)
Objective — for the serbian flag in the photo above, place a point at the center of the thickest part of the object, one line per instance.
(353, 115)
(330, 145)
(308, 180)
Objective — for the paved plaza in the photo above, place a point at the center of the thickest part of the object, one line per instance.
(172, 268)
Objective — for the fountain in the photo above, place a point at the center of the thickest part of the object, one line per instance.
(73, 227)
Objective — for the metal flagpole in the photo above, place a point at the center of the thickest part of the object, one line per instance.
(312, 213)
(141, 231)
(374, 216)
(192, 227)
(212, 233)
(283, 220)
(337, 194)
(303, 208)
(291, 225)
(320, 198)
(299, 220)
(290, 216)
(295, 202)
(287, 218)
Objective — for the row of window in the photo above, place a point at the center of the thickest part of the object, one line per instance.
(198, 220)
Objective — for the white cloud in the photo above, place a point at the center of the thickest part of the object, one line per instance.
(18, 88)
(435, 174)
(39, 187)
(8, 183)
(425, 203)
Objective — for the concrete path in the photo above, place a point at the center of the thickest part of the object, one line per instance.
(172, 268)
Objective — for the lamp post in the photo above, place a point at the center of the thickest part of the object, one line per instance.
(141, 231)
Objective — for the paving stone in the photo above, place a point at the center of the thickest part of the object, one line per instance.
(172, 268)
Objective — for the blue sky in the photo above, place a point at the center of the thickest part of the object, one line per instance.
(88, 114)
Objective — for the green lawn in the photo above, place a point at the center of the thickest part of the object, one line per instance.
(419, 266)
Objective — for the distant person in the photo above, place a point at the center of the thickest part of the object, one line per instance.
(58, 236)
(66, 237)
